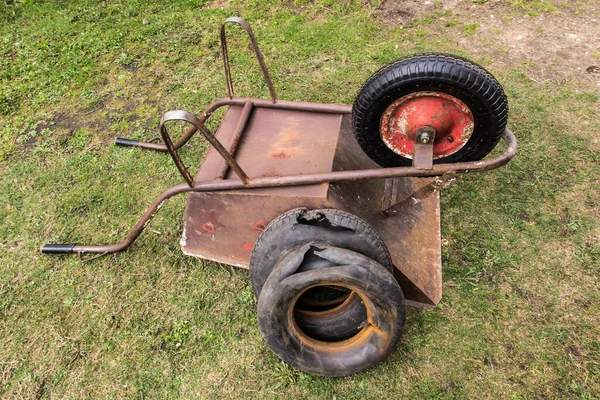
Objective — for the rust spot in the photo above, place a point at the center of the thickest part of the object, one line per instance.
(450, 117)
(248, 246)
(288, 143)
(208, 227)
(281, 154)
(260, 226)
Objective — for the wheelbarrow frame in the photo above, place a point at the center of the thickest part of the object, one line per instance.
(422, 159)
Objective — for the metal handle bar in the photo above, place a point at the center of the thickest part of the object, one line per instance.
(263, 67)
(192, 130)
(292, 180)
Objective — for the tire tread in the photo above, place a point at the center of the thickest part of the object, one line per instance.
(442, 67)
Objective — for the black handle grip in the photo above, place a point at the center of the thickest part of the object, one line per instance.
(57, 248)
(126, 142)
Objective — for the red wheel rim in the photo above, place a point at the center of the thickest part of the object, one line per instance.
(451, 118)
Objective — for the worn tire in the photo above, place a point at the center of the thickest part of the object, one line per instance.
(341, 321)
(299, 226)
(376, 286)
(336, 228)
(431, 72)
(334, 324)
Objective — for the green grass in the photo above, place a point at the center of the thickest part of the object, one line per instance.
(521, 255)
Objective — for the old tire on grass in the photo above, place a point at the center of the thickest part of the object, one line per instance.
(340, 321)
(376, 286)
(460, 99)
(337, 319)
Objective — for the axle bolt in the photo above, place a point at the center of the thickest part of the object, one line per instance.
(425, 137)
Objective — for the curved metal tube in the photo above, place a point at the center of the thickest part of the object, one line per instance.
(190, 118)
(240, 101)
(263, 67)
(295, 180)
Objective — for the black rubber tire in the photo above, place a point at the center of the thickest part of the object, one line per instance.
(344, 320)
(447, 73)
(299, 226)
(377, 287)
(295, 228)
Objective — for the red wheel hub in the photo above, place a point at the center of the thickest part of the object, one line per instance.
(451, 118)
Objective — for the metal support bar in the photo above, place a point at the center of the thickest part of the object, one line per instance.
(423, 154)
(257, 52)
(190, 118)
(174, 155)
(237, 136)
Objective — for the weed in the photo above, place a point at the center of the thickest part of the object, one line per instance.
(128, 60)
(470, 29)
(178, 335)
(284, 374)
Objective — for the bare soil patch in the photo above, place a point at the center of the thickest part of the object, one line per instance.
(563, 44)
(404, 12)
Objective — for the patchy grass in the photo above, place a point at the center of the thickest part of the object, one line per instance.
(519, 318)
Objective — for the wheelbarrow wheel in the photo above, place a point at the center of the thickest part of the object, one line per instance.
(460, 99)
(376, 286)
(332, 319)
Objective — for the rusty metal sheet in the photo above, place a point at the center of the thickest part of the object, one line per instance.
(224, 226)
(412, 236)
(278, 142)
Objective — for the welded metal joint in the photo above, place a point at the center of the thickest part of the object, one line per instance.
(439, 183)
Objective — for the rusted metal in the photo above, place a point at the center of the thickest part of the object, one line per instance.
(179, 115)
(412, 237)
(241, 101)
(173, 116)
(276, 142)
(259, 57)
(423, 147)
(237, 135)
(417, 196)
(285, 142)
(308, 179)
(449, 116)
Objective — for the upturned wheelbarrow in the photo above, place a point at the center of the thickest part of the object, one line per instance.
(334, 208)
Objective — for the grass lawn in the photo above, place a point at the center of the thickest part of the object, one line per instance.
(520, 316)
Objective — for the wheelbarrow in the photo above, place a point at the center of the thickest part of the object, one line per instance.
(334, 208)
